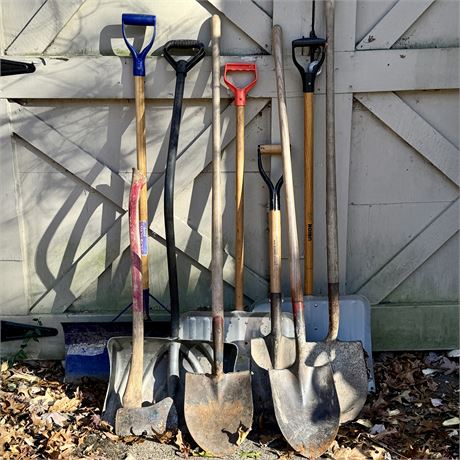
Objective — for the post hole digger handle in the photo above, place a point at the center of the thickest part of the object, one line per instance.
(184, 65)
(317, 54)
(240, 92)
(138, 55)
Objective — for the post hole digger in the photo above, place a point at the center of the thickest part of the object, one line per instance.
(217, 405)
(304, 396)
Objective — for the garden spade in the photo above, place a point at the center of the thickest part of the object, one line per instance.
(218, 406)
(304, 396)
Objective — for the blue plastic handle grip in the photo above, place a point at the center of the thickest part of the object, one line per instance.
(138, 56)
(138, 19)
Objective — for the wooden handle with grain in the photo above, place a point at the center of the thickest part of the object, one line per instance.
(132, 397)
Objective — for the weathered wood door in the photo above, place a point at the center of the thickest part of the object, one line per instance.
(68, 146)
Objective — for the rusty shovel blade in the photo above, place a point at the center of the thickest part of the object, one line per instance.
(349, 370)
(155, 419)
(306, 406)
(217, 408)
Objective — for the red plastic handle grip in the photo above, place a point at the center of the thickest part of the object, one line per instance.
(240, 93)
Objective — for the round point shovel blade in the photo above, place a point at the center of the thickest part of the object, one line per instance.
(306, 407)
(216, 408)
(350, 373)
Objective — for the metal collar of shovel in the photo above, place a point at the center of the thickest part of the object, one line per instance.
(240, 92)
(316, 47)
(138, 56)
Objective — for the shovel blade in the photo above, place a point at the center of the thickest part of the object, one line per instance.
(350, 373)
(262, 360)
(306, 407)
(216, 408)
(156, 419)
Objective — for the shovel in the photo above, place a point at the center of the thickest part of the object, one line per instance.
(217, 406)
(304, 397)
(273, 350)
(347, 358)
(139, 92)
(132, 417)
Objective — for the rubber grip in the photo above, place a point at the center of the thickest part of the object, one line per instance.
(309, 41)
(138, 19)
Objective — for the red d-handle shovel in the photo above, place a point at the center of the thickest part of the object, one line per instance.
(240, 101)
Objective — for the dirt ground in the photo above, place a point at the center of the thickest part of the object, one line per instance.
(413, 414)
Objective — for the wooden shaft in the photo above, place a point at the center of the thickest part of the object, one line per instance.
(133, 393)
(331, 186)
(142, 167)
(293, 241)
(217, 245)
(274, 227)
(270, 149)
(239, 203)
(308, 193)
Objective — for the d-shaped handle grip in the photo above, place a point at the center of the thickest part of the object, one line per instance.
(195, 52)
(240, 93)
(274, 189)
(138, 55)
(316, 52)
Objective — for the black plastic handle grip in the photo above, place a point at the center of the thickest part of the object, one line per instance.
(196, 53)
(273, 189)
(317, 54)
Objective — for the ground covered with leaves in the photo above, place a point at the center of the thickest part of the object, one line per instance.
(413, 414)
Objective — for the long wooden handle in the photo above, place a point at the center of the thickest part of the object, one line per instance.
(274, 227)
(133, 392)
(308, 193)
(293, 242)
(217, 245)
(239, 203)
(142, 167)
(331, 186)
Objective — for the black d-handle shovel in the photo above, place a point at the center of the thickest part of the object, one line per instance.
(194, 51)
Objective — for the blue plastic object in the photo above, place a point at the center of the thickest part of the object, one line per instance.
(138, 56)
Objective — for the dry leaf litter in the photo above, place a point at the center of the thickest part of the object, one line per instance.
(414, 414)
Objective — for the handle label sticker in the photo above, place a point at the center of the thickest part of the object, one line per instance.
(143, 231)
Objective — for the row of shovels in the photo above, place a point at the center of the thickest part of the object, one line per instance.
(310, 383)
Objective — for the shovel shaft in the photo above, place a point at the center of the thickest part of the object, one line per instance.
(133, 393)
(239, 203)
(331, 187)
(169, 203)
(274, 218)
(142, 167)
(308, 192)
(217, 246)
(293, 242)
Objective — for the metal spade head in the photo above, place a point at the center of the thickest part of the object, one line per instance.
(306, 406)
(216, 408)
(268, 353)
(154, 419)
(349, 370)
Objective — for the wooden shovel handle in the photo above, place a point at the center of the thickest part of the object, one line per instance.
(217, 244)
(308, 193)
(239, 203)
(132, 397)
(293, 242)
(142, 167)
(331, 186)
